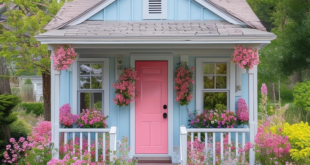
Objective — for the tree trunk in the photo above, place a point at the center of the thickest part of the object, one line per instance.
(274, 96)
(279, 90)
(297, 77)
(6, 132)
(4, 77)
(47, 96)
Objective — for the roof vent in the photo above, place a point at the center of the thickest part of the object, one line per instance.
(154, 9)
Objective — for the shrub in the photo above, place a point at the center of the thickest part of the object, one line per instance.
(15, 91)
(299, 138)
(27, 93)
(286, 93)
(20, 128)
(36, 108)
(28, 81)
(92, 119)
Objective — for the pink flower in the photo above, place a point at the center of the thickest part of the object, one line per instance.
(242, 111)
(245, 57)
(264, 89)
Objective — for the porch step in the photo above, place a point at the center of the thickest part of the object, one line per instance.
(154, 160)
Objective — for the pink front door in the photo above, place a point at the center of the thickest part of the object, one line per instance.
(152, 96)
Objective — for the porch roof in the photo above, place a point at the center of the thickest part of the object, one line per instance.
(155, 31)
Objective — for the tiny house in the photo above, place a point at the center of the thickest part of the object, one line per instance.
(154, 36)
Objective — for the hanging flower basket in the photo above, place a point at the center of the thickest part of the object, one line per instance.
(125, 87)
(184, 83)
(63, 57)
(245, 58)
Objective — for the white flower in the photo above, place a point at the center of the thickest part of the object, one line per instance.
(212, 122)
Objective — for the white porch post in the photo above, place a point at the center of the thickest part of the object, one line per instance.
(251, 112)
(55, 87)
(183, 145)
(112, 142)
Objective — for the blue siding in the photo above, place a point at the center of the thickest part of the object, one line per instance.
(128, 10)
(120, 116)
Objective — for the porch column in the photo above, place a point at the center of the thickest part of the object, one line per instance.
(55, 87)
(252, 121)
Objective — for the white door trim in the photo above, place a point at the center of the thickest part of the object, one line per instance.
(133, 59)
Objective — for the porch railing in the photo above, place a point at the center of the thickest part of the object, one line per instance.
(187, 134)
(72, 133)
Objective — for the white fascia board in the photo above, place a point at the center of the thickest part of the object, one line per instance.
(92, 12)
(156, 42)
(219, 13)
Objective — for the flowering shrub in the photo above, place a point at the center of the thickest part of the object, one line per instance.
(245, 57)
(264, 99)
(63, 57)
(16, 151)
(242, 112)
(92, 119)
(65, 117)
(67, 160)
(184, 83)
(299, 138)
(213, 119)
(269, 145)
(197, 155)
(41, 135)
(123, 153)
(125, 87)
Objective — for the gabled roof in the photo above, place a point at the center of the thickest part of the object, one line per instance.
(237, 9)
(154, 31)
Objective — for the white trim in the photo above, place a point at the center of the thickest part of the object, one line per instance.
(162, 15)
(92, 12)
(219, 13)
(106, 82)
(230, 82)
(133, 59)
(74, 86)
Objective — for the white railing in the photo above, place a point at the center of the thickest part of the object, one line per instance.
(72, 133)
(185, 132)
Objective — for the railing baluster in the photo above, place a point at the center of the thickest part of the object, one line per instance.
(229, 144)
(222, 146)
(66, 138)
(73, 142)
(206, 144)
(88, 143)
(96, 146)
(192, 139)
(81, 145)
(199, 136)
(243, 144)
(214, 150)
(103, 146)
(237, 144)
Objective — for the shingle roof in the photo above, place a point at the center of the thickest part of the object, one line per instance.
(187, 30)
(71, 11)
(239, 9)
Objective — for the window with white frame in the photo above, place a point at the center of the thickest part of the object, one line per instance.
(90, 88)
(212, 84)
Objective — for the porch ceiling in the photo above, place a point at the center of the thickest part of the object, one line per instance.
(155, 31)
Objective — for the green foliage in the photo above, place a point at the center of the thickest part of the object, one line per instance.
(38, 156)
(302, 95)
(35, 108)
(15, 91)
(20, 128)
(220, 107)
(7, 103)
(28, 81)
(286, 94)
(18, 42)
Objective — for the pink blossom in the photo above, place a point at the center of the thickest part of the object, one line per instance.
(245, 57)
(264, 89)
(242, 111)
(63, 57)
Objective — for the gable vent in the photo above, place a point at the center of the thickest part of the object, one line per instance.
(154, 9)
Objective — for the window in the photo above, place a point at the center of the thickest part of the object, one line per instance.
(213, 84)
(154, 9)
(90, 89)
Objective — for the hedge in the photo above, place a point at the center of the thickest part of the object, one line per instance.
(35, 108)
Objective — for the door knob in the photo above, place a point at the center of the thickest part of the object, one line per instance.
(165, 106)
(165, 115)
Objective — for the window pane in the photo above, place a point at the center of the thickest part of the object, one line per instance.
(221, 82)
(96, 82)
(221, 68)
(208, 68)
(96, 69)
(90, 101)
(214, 99)
(85, 69)
(208, 82)
(84, 82)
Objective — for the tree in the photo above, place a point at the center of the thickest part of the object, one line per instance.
(7, 103)
(302, 96)
(20, 46)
